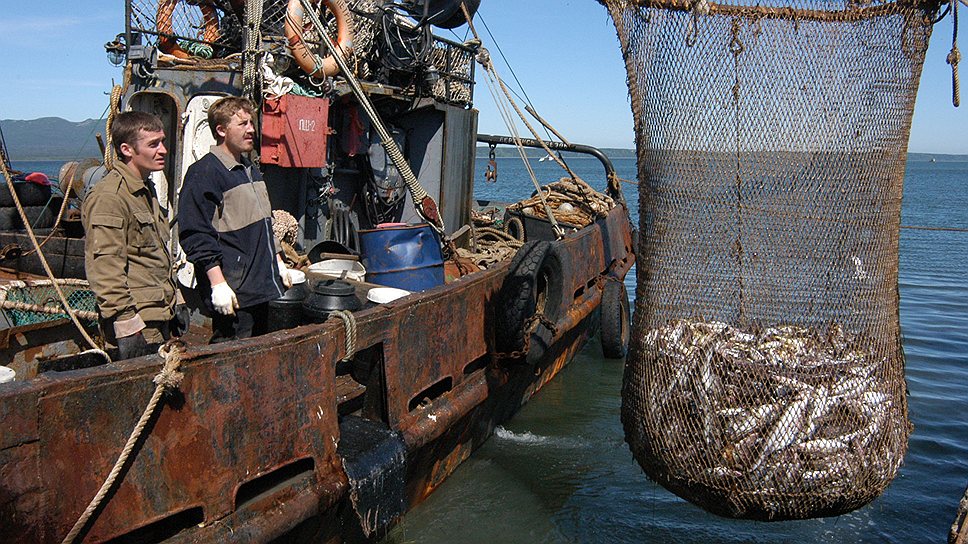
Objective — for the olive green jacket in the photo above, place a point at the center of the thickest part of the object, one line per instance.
(126, 253)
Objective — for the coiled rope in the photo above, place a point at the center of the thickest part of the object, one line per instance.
(495, 83)
(165, 381)
(349, 322)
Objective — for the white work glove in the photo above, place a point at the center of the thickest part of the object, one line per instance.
(223, 298)
(284, 273)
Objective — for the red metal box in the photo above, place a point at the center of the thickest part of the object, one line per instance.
(294, 131)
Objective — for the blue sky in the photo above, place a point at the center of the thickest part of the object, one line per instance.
(564, 52)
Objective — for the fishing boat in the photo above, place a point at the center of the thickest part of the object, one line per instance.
(332, 426)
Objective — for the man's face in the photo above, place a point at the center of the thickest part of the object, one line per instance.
(239, 133)
(148, 152)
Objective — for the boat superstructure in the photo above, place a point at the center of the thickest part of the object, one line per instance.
(322, 431)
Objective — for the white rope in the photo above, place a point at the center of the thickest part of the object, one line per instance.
(169, 378)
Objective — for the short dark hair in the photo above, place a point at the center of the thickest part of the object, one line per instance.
(221, 112)
(127, 126)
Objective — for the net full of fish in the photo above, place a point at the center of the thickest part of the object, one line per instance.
(772, 417)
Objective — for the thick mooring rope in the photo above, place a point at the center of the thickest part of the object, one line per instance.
(52, 310)
(349, 322)
(418, 194)
(251, 57)
(168, 379)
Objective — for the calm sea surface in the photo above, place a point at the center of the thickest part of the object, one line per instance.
(560, 471)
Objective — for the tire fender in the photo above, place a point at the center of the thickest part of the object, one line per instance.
(534, 286)
(615, 328)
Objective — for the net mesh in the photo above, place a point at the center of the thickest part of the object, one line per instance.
(766, 378)
(41, 294)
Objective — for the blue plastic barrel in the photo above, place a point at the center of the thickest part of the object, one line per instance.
(407, 256)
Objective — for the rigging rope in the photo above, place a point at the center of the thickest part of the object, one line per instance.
(251, 56)
(954, 57)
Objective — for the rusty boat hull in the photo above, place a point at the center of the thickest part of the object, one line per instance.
(275, 436)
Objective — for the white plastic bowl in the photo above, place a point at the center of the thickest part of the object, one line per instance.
(297, 276)
(343, 269)
(382, 295)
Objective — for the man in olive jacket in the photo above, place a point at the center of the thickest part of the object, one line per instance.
(126, 244)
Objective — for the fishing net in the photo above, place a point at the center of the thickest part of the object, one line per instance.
(28, 303)
(766, 375)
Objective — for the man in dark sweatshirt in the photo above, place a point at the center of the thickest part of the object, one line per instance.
(225, 227)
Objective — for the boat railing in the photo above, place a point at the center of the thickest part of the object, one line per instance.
(217, 29)
(613, 188)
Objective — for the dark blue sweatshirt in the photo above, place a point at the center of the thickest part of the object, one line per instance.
(225, 219)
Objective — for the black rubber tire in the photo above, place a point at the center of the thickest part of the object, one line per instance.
(5, 198)
(32, 194)
(42, 217)
(9, 219)
(616, 323)
(533, 285)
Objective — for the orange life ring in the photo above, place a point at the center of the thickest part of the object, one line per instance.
(168, 44)
(308, 61)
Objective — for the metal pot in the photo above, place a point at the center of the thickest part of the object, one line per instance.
(286, 311)
(329, 296)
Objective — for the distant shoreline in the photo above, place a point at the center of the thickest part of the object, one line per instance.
(55, 139)
(610, 152)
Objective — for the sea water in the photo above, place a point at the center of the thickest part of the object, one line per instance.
(560, 471)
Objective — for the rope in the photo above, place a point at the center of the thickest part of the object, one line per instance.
(954, 57)
(168, 379)
(40, 254)
(485, 59)
(60, 215)
(25, 307)
(349, 322)
(109, 146)
(253, 27)
(490, 245)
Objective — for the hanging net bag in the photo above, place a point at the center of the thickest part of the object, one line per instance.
(766, 375)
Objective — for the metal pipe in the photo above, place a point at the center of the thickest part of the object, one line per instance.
(558, 146)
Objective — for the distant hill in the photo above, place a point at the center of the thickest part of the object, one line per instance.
(51, 138)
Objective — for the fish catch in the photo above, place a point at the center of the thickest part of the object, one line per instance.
(770, 408)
